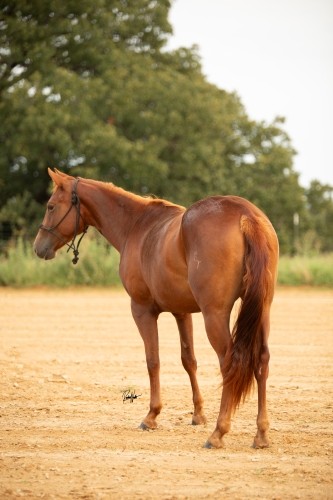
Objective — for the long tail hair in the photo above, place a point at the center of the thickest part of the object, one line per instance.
(258, 287)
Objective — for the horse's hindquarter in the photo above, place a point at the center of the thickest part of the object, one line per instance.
(214, 246)
(153, 266)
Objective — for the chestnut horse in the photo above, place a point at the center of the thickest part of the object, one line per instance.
(183, 261)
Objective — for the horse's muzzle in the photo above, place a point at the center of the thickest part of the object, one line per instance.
(43, 250)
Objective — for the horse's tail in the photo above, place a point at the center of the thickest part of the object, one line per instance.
(258, 288)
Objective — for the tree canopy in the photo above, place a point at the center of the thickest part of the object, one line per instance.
(90, 88)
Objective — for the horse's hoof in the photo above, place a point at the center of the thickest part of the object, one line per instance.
(259, 444)
(208, 445)
(144, 427)
(199, 420)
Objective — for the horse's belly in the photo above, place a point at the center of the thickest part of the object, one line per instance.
(174, 297)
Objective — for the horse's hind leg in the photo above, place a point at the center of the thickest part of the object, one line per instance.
(261, 375)
(218, 332)
(185, 327)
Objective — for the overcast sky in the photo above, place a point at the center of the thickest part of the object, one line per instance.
(278, 56)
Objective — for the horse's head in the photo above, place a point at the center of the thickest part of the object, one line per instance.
(62, 221)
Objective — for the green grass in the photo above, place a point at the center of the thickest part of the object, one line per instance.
(312, 271)
(98, 266)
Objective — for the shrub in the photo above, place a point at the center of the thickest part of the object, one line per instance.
(98, 265)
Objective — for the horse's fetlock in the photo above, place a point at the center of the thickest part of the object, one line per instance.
(263, 424)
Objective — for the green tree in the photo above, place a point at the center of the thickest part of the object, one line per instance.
(89, 88)
(261, 169)
(52, 95)
(320, 221)
(82, 37)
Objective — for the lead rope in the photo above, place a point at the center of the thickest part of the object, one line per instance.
(77, 204)
(76, 250)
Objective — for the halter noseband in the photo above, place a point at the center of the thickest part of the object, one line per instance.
(75, 202)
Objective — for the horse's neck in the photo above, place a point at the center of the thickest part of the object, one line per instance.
(111, 210)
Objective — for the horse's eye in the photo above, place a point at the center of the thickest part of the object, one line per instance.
(50, 207)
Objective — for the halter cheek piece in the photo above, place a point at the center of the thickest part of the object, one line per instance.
(75, 202)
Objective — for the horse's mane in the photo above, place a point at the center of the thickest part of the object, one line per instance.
(148, 199)
(109, 186)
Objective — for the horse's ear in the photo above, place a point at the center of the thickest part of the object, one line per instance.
(62, 174)
(56, 177)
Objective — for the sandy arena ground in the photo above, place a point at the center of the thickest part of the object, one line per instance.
(66, 358)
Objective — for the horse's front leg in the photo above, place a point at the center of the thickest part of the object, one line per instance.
(185, 327)
(146, 321)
